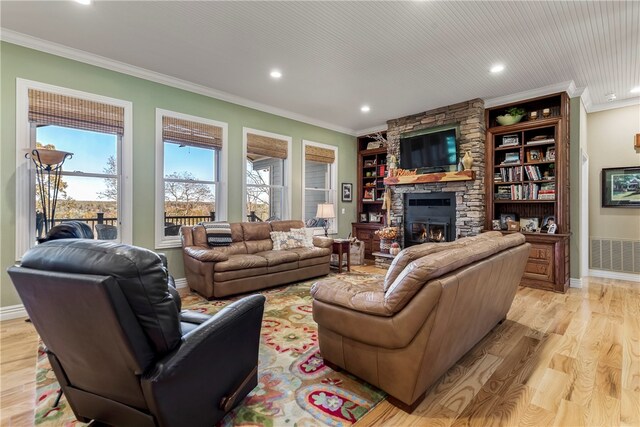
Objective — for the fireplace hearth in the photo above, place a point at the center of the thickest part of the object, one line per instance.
(429, 217)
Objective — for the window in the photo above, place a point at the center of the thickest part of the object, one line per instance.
(190, 165)
(267, 176)
(91, 187)
(319, 170)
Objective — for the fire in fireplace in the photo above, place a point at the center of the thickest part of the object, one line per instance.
(429, 217)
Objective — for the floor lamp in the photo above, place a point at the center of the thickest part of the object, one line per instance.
(48, 165)
(325, 211)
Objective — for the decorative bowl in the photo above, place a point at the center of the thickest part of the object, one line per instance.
(508, 119)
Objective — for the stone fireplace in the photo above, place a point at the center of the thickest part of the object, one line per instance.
(465, 198)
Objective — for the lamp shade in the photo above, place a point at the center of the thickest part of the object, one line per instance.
(325, 210)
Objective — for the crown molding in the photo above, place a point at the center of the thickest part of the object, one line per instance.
(628, 102)
(46, 46)
(568, 87)
(373, 129)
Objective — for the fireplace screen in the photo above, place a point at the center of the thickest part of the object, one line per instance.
(429, 232)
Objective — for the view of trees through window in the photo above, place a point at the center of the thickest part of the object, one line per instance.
(265, 190)
(190, 178)
(88, 189)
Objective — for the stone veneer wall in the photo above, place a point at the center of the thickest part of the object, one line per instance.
(470, 195)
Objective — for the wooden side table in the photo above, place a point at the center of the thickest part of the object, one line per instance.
(341, 247)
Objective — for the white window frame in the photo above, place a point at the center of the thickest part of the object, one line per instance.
(221, 196)
(25, 173)
(286, 211)
(333, 191)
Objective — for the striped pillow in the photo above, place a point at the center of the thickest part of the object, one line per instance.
(218, 233)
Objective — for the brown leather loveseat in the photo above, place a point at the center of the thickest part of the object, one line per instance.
(249, 263)
(435, 303)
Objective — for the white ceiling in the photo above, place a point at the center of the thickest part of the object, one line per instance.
(398, 57)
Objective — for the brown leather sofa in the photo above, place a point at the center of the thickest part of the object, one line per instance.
(249, 263)
(435, 303)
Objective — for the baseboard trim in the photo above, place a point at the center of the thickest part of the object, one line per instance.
(12, 312)
(615, 275)
(575, 283)
(181, 283)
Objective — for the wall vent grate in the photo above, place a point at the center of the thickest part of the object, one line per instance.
(621, 255)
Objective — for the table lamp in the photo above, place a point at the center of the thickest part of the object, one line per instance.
(325, 211)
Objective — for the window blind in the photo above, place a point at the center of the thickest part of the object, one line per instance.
(47, 108)
(258, 145)
(192, 133)
(319, 154)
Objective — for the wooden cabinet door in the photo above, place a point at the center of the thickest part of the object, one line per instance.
(540, 263)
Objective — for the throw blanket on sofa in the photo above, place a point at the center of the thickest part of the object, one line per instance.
(218, 233)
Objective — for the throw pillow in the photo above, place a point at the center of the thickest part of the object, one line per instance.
(218, 233)
(283, 240)
(308, 233)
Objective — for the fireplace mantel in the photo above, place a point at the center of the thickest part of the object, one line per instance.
(426, 178)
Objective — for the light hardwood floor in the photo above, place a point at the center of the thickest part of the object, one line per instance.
(560, 359)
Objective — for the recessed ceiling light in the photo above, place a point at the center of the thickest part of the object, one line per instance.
(365, 108)
(276, 74)
(497, 68)
(85, 2)
(635, 89)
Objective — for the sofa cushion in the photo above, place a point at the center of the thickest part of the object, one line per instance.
(308, 253)
(364, 294)
(277, 257)
(286, 225)
(422, 270)
(256, 230)
(413, 253)
(240, 262)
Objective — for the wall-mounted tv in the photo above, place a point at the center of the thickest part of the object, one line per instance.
(431, 151)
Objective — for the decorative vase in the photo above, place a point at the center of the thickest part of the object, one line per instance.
(385, 245)
(394, 251)
(467, 161)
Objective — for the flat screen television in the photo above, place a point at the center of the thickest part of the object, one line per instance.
(429, 152)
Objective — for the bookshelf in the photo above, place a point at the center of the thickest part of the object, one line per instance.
(372, 169)
(528, 179)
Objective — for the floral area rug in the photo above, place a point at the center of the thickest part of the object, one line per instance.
(295, 387)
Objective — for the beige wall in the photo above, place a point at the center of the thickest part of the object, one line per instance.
(610, 136)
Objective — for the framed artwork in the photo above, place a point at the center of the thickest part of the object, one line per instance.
(529, 225)
(621, 187)
(513, 225)
(550, 155)
(374, 217)
(347, 192)
(547, 224)
(364, 217)
(534, 155)
(507, 217)
(495, 224)
(369, 194)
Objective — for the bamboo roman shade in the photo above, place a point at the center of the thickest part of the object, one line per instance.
(319, 154)
(47, 108)
(258, 145)
(192, 133)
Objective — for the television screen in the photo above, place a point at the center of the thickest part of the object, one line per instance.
(430, 152)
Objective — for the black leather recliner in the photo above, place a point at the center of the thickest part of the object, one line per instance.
(122, 352)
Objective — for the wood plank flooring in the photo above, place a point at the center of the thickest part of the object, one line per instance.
(559, 359)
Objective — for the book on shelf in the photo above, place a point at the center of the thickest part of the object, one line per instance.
(531, 191)
(541, 141)
(511, 174)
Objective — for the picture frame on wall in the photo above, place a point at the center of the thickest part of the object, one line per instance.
(621, 187)
(347, 192)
